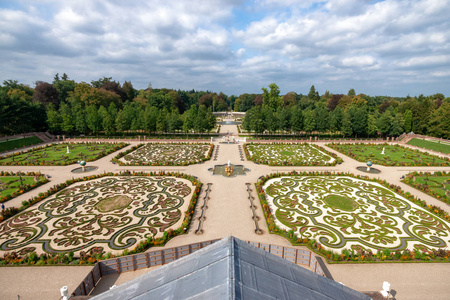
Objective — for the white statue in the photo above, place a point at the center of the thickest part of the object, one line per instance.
(68, 151)
(228, 163)
(382, 152)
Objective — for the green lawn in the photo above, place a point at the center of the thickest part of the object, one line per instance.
(18, 143)
(12, 186)
(430, 145)
(56, 154)
(394, 155)
(436, 185)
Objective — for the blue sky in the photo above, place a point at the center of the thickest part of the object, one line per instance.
(395, 48)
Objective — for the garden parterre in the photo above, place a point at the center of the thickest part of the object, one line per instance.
(164, 154)
(110, 213)
(342, 212)
(56, 154)
(289, 154)
(436, 185)
(394, 155)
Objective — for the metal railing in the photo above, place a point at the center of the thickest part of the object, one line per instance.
(139, 261)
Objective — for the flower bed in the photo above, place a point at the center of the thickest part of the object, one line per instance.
(436, 185)
(394, 155)
(165, 154)
(118, 213)
(287, 154)
(13, 185)
(343, 217)
(56, 154)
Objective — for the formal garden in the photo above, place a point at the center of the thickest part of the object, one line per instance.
(389, 155)
(436, 184)
(341, 216)
(15, 184)
(165, 154)
(61, 154)
(287, 154)
(107, 214)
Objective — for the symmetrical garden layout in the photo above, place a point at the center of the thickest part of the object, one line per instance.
(57, 154)
(289, 154)
(343, 212)
(110, 213)
(159, 154)
(393, 155)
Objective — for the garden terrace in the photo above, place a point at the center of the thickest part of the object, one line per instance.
(56, 154)
(103, 213)
(165, 154)
(289, 154)
(394, 155)
(347, 213)
(436, 185)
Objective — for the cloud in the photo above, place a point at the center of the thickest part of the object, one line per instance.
(232, 46)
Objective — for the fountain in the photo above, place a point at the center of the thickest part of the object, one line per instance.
(369, 168)
(228, 170)
(84, 168)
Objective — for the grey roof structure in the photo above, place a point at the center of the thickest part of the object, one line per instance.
(231, 269)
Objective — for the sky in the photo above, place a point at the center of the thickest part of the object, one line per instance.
(394, 48)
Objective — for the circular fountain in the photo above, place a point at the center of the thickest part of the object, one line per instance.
(84, 168)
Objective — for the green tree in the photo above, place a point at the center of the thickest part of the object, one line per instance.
(65, 112)
(296, 119)
(397, 125)
(309, 120)
(150, 117)
(272, 98)
(346, 128)
(407, 120)
(439, 124)
(53, 118)
(384, 122)
(372, 128)
(322, 119)
(93, 119)
(107, 120)
(313, 95)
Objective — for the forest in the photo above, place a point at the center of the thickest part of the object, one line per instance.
(107, 107)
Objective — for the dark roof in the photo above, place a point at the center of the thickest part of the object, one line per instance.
(231, 269)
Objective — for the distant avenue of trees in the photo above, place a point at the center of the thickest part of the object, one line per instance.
(350, 115)
(108, 107)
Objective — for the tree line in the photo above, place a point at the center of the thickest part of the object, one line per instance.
(350, 115)
(106, 106)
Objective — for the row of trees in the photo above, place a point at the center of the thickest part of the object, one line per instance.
(134, 116)
(104, 105)
(350, 115)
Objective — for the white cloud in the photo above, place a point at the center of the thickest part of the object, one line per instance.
(198, 44)
(359, 61)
